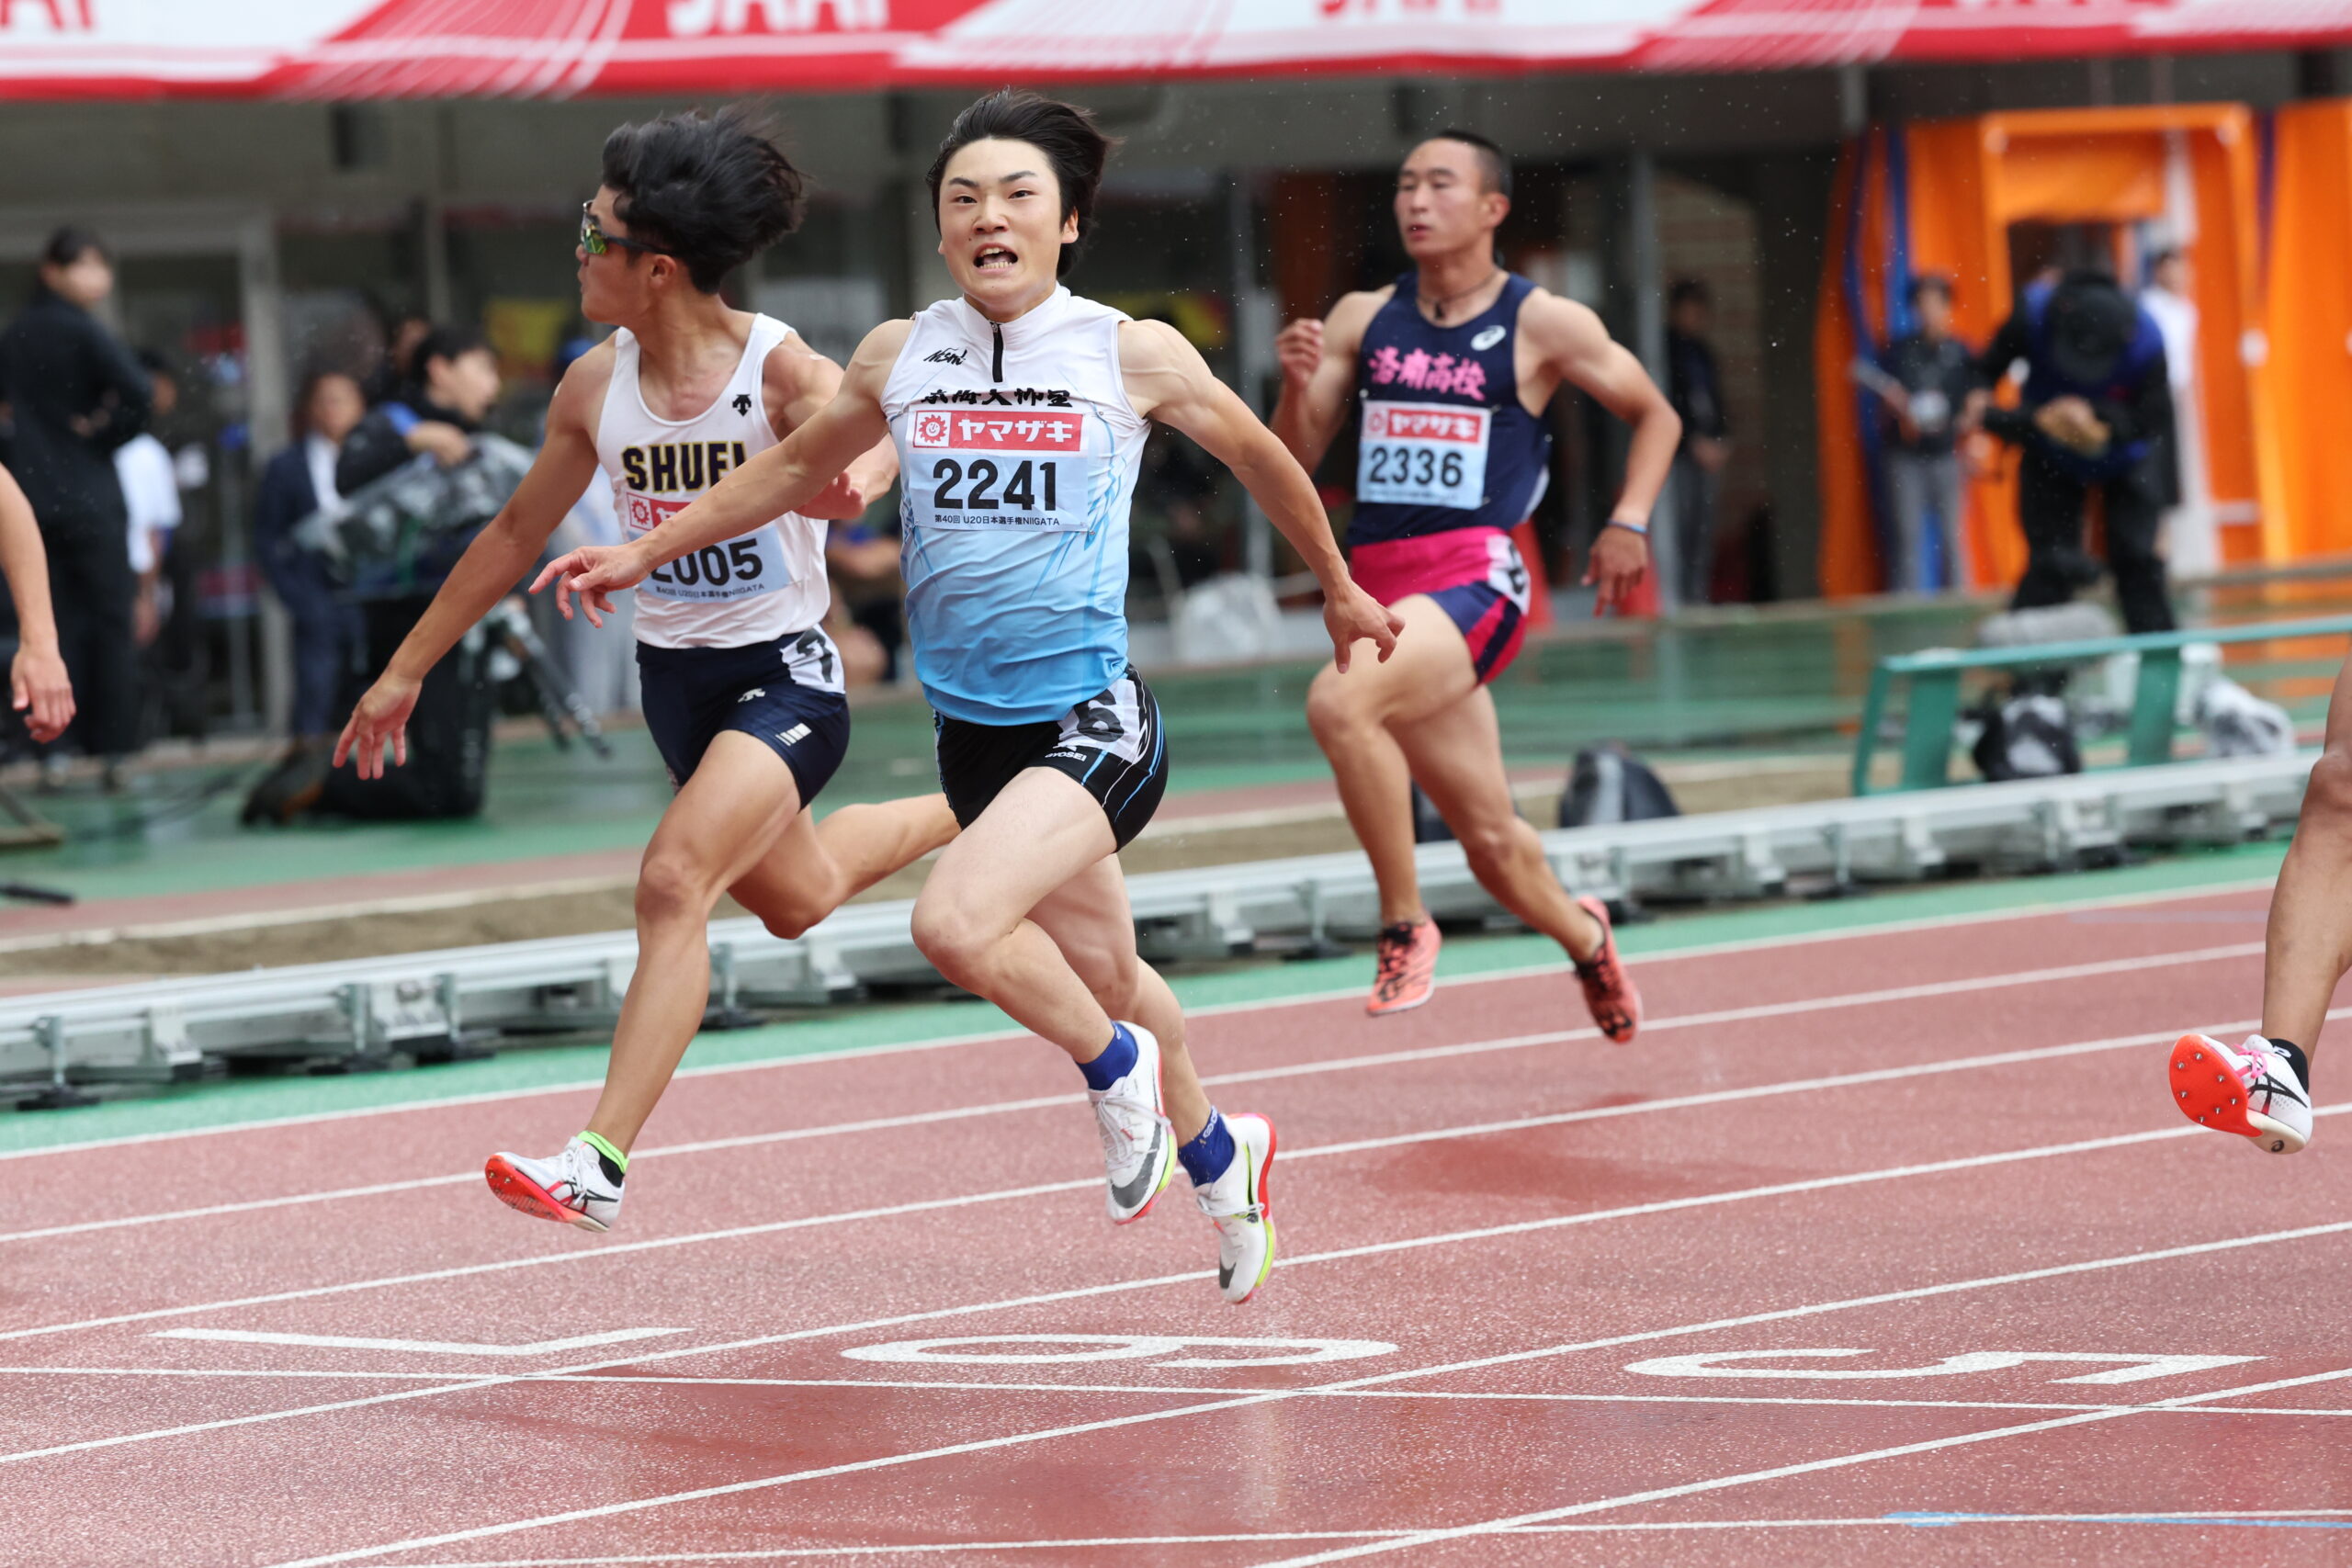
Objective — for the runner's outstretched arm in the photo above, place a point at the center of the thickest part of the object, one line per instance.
(1168, 381)
(1579, 349)
(37, 684)
(785, 478)
(489, 569)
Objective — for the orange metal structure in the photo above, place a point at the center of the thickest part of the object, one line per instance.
(1954, 189)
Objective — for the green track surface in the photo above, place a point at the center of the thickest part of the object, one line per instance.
(1783, 683)
(244, 1101)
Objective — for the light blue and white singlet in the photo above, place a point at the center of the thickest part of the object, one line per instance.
(1018, 452)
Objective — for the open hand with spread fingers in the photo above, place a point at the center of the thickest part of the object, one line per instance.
(595, 573)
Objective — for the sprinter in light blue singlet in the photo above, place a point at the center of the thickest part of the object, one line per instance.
(1018, 412)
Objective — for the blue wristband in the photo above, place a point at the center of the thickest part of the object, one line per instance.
(1641, 528)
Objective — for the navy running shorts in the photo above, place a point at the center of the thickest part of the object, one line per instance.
(1112, 744)
(785, 694)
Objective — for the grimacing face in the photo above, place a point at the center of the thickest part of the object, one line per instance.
(1001, 225)
(1442, 204)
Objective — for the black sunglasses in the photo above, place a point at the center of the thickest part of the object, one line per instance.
(595, 241)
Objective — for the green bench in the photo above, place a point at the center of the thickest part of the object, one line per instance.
(1934, 695)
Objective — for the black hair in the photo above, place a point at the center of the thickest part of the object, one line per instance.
(299, 418)
(446, 342)
(1689, 292)
(1064, 133)
(2168, 254)
(154, 364)
(70, 244)
(710, 191)
(1494, 163)
(1928, 283)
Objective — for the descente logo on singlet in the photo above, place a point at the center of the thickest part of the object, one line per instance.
(678, 465)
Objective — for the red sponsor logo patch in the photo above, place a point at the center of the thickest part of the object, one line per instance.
(647, 510)
(1394, 422)
(1022, 432)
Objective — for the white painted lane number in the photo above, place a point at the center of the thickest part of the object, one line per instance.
(2132, 1368)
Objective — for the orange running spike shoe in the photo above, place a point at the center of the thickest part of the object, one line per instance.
(1407, 967)
(1607, 990)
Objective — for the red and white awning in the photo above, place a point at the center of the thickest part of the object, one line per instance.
(363, 48)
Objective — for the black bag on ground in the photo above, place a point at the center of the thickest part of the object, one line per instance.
(1610, 784)
(448, 733)
(2027, 735)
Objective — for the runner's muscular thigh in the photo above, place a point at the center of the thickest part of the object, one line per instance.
(1430, 670)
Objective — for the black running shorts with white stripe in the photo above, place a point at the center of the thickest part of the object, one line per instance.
(1113, 744)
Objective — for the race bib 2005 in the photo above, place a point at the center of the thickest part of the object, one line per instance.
(1423, 455)
(736, 569)
(997, 469)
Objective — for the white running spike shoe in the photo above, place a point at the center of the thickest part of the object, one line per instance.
(570, 1188)
(2253, 1091)
(1237, 1204)
(1138, 1147)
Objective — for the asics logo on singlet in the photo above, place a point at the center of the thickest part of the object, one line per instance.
(755, 692)
(742, 403)
(1486, 340)
(944, 357)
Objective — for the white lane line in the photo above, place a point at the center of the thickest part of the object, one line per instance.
(1211, 1009)
(1018, 1439)
(1782, 1473)
(1079, 1184)
(433, 1347)
(910, 1385)
(1255, 1074)
(1122, 1286)
(1618, 1526)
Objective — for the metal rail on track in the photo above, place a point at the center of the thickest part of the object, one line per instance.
(438, 1004)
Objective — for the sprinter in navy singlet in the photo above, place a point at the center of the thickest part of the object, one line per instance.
(1451, 460)
(1448, 371)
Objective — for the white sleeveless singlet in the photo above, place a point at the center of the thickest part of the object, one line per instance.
(753, 589)
(1018, 451)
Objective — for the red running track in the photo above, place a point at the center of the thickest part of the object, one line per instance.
(1821, 1266)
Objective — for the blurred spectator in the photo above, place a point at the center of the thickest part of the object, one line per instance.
(868, 621)
(2095, 399)
(151, 498)
(76, 395)
(1174, 535)
(1695, 388)
(1932, 374)
(391, 376)
(299, 481)
(455, 386)
(2190, 545)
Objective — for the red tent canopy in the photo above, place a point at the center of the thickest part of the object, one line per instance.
(360, 49)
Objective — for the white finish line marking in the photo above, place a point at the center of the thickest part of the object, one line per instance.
(2138, 1369)
(1082, 1348)
(432, 1347)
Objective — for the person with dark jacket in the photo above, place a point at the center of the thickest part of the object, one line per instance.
(297, 481)
(2097, 402)
(1926, 380)
(453, 391)
(1694, 386)
(75, 394)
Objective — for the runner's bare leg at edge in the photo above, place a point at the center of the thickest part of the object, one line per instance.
(742, 689)
(1019, 411)
(1456, 361)
(2261, 1088)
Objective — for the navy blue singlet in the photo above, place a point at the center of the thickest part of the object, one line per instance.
(1446, 444)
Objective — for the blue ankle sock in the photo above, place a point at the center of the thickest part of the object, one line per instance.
(1117, 1060)
(1207, 1157)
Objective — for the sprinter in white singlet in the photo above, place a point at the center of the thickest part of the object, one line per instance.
(742, 689)
(1018, 412)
